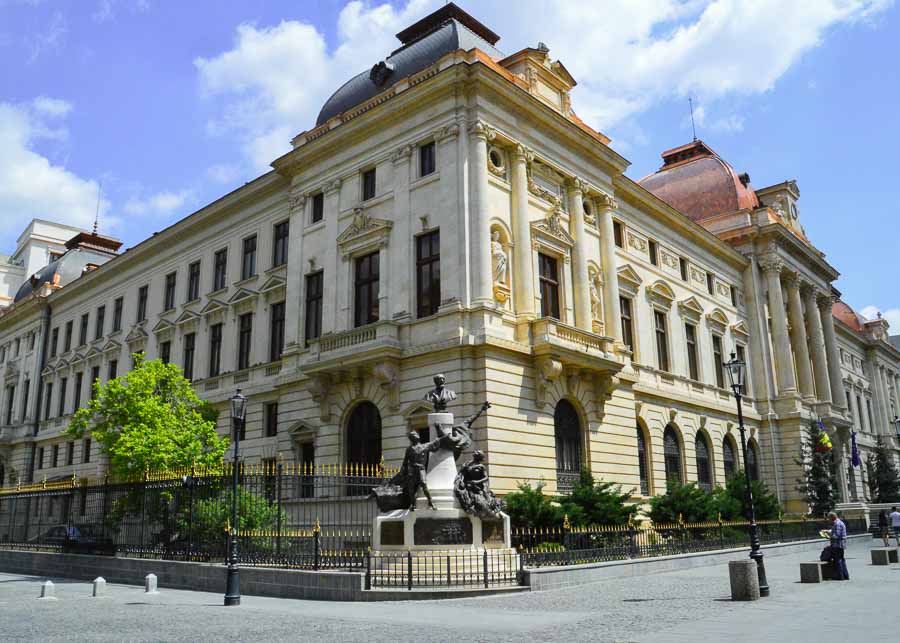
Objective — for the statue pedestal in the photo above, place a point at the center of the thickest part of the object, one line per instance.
(441, 474)
(442, 529)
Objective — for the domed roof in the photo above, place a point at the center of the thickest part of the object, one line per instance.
(61, 272)
(699, 183)
(446, 30)
(850, 317)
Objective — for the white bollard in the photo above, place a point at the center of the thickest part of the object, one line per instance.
(99, 587)
(150, 584)
(48, 591)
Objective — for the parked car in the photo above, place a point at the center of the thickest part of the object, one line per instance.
(76, 539)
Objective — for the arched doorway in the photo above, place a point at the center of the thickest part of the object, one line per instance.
(729, 459)
(672, 454)
(753, 459)
(363, 441)
(567, 434)
(704, 464)
(643, 461)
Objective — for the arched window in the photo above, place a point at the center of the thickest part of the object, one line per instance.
(643, 462)
(704, 468)
(729, 461)
(672, 454)
(364, 435)
(567, 431)
(753, 460)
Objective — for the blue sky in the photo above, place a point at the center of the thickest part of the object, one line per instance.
(172, 104)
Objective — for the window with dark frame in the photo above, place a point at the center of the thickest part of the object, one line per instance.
(61, 407)
(40, 458)
(428, 273)
(118, 304)
(187, 355)
(548, 271)
(142, 303)
(193, 285)
(690, 334)
(95, 379)
(307, 466)
(99, 322)
(318, 207)
(165, 352)
(32, 338)
(169, 295)
(26, 389)
(86, 450)
(729, 461)
(618, 234)
(654, 252)
(70, 454)
(245, 340)
(672, 455)
(718, 361)
(683, 268)
(79, 381)
(627, 322)
(732, 291)
(366, 285)
(83, 329)
(662, 341)
(48, 392)
(368, 184)
(276, 331)
(704, 470)
(752, 460)
(710, 283)
(313, 311)
(54, 340)
(215, 349)
(281, 239)
(55, 457)
(10, 400)
(426, 158)
(112, 370)
(220, 268)
(567, 435)
(248, 258)
(270, 413)
(67, 338)
(643, 462)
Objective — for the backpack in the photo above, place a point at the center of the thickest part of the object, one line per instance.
(825, 556)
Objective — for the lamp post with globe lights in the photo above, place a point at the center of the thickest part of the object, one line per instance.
(233, 583)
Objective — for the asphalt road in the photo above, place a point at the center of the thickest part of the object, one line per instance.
(690, 605)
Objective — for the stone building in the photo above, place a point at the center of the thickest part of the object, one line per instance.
(449, 212)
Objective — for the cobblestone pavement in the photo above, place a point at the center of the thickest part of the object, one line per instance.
(678, 606)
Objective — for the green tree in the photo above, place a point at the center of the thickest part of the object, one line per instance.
(206, 524)
(818, 485)
(152, 419)
(730, 501)
(884, 481)
(596, 502)
(688, 501)
(530, 508)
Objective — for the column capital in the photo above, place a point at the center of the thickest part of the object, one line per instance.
(577, 185)
(607, 201)
(332, 186)
(771, 264)
(402, 154)
(522, 153)
(482, 130)
(791, 279)
(296, 203)
(825, 302)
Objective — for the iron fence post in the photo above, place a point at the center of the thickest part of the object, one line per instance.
(278, 473)
(316, 550)
(486, 584)
(449, 582)
(409, 579)
(369, 569)
(143, 511)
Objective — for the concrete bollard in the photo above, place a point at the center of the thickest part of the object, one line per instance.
(48, 591)
(99, 587)
(744, 579)
(150, 584)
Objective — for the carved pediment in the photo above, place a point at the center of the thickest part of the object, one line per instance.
(363, 233)
(629, 279)
(94, 352)
(186, 317)
(111, 346)
(717, 319)
(135, 335)
(690, 308)
(302, 430)
(77, 358)
(273, 283)
(740, 328)
(551, 226)
(242, 294)
(61, 365)
(163, 326)
(661, 293)
(213, 306)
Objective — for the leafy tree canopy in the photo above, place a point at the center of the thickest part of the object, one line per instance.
(150, 418)
(730, 501)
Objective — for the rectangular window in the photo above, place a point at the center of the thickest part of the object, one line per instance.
(718, 361)
(61, 407)
(618, 234)
(276, 331)
(67, 339)
(48, 393)
(79, 380)
(26, 389)
(426, 158)
(55, 458)
(40, 458)
(428, 273)
(220, 268)
(70, 454)
(83, 330)
(368, 184)
(683, 267)
(112, 369)
(117, 314)
(245, 339)
(18, 345)
(10, 398)
(86, 450)
(741, 354)
(710, 283)
(32, 337)
(318, 207)
(54, 340)
(733, 292)
(165, 352)
(99, 323)
(169, 299)
(690, 334)
(193, 286)
(188, 355)
(142, 303)
(215, 349)
(270, 411)
(654, 252)
(248, 258)
(313, 322)
(662, 341)
(95, 380)
(281, 234)
(549, 277)
(859, 405)
(365, 301)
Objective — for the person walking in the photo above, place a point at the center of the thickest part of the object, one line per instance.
(895, 523)
(883, 528)
(838, 539)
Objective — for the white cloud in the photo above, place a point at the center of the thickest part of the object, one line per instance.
(55, 107)
(49, 38)
(30, 184)
(162, 204)
(223, 173)
(626, 56)
(892, 315)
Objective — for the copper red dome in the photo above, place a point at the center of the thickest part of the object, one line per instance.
(699, 183)
(848, 316)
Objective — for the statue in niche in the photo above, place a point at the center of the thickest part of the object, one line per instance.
(472, 490)
(596, 311)
(499, 259)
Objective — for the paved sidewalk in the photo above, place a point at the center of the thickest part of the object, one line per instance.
(679, 606)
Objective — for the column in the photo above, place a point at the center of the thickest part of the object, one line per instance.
(885, 401)
(612, 314)
(771, 267)
(396, 293)
(580, 288)
(817, 345)
(831, 350)
(482, 273)
(841, 465)
(798, 336)
(293, 335)
(523, 274)
(877, 391)
(855, 411)
(330, 261)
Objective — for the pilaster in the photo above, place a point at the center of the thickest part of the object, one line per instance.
(523, 275)
(612, 314)
(482, 277)
(580, 280)
(798, 336)
(817, 345)
(772, 267)
(831, 350)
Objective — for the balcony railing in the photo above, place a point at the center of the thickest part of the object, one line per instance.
(552, 331)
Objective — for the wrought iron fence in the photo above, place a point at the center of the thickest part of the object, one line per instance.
(439, 569)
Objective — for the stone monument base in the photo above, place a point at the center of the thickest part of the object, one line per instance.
(441, 529)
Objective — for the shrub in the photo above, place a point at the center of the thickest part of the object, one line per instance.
(530, 508)
(730, 501)
(685, 500)
(596, 502)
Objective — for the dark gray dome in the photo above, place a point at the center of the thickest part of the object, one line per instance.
(63, 271)
(409, 59)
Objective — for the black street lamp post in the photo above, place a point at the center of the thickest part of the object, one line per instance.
(736, 373)
(233, 584)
